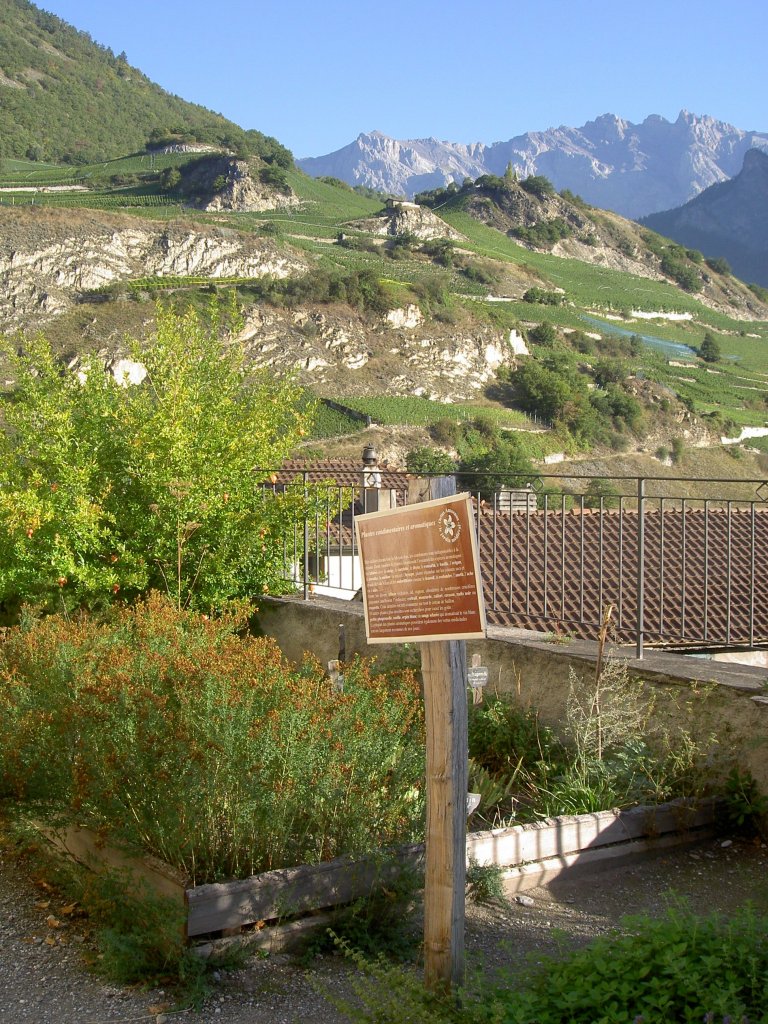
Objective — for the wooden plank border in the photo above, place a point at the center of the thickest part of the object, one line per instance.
(289, 892)
(532, 854)
(563, 841)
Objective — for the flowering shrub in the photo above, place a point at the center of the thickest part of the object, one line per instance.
(176, 732)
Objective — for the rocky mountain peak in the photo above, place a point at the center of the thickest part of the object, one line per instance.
(632, 169)
(755, 162)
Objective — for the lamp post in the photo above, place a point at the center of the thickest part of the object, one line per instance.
(371, 479)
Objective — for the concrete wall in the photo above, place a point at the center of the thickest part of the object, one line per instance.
(706, 698)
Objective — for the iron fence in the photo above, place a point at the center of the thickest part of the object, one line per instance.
(670, 562)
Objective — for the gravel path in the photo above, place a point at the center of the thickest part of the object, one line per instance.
(44, 980)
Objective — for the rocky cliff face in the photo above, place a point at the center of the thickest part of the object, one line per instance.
(49, 257)
(728, 220)
(401, 218)
(634, 169)
(398, 354)
(229, 184)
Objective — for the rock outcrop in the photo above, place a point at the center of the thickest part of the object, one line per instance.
(50, 257)
(225, 183)
(398, 354)
(402, 218)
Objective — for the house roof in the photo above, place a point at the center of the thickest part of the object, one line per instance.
(705, 582)
(344, 472)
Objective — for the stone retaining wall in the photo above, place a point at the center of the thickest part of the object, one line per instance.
(708, 698)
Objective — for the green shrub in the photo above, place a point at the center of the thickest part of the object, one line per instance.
(446, 432)
(501, 734)
(543, 334)
(428, 460)
(678, 968)
(441, 250)
(746, 809)
(601, 494)
(543, 297)
(382, 923)
(719, 264)
(538, 186)
(485, 884)
(545, 233)
(172, 732)
(274, 176)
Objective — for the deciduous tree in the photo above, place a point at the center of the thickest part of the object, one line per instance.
(108, 489)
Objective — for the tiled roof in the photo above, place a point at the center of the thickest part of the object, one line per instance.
(344, 472)
(705, 580)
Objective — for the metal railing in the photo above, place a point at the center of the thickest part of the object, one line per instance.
(680, 562)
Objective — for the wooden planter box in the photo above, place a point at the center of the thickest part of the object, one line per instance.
(531, 854)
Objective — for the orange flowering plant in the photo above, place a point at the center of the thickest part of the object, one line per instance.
(109, 490)
(200, 744)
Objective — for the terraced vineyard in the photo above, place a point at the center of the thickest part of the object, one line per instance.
(406, 411)
(19, 173)
(735, 389)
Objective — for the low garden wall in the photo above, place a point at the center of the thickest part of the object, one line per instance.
(708, 698)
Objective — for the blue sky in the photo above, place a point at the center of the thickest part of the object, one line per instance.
(316, 74)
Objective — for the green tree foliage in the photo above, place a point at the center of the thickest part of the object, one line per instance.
(538, 186)
(545, 232)
(113, 490)
(543, 297)
(719, 264)
(274, 176)
(543, 334)
(170, 179)
(439, 196)
(574, 199)
(268, 149)
(615, 404)
(601, 494)
(441, 250)
(362, 289)
(709, 350)
(552, 388)
(428, 461)
(686, 276)
(609, 371)
(504, 463)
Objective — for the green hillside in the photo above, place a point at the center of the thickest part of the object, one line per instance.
(570, 280)
(64, 98)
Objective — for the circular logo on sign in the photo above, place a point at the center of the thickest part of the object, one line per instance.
(449, 526)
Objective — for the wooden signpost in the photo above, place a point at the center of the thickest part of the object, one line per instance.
(421, 582)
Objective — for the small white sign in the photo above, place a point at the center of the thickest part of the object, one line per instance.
(477, 676)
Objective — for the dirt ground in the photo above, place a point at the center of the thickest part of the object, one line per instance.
(44, 979)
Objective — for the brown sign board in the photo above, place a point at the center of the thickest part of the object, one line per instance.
(420, 572)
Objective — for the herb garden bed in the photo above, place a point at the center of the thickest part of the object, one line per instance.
(273, 903)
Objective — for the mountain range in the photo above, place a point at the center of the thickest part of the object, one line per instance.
(633, 169)
(727, 220)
